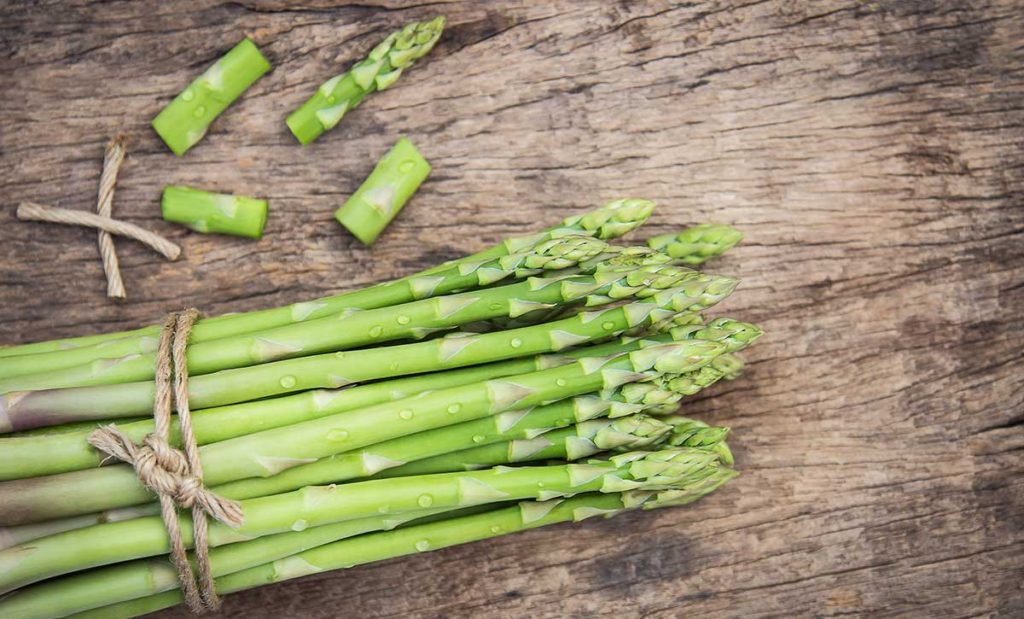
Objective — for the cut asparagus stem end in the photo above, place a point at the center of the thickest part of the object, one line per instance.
(220, 213)
(383, 194)
(185, 119)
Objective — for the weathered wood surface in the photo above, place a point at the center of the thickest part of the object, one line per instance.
(872, 152)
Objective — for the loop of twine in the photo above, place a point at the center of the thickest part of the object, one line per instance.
(176, 476)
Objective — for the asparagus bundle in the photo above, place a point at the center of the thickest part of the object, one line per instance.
(403, 417)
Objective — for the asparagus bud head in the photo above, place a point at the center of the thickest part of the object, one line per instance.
(614, 219)
(697, 244)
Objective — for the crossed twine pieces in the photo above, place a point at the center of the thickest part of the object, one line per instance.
(107, 226)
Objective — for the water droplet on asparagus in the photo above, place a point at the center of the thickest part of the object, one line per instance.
(331, 98)
(495, 529)
(497, 306)
(188, 95)
(608, 326)
(479, 438)
(515, 342)
(422, 545)
(561, 382)
(288, 381)
(405, 413)
(454, 408)
(403, 320)
(337, 435)
(405, 166)
(199, 111)
(299, 525)
(376, 331)
(425, 500)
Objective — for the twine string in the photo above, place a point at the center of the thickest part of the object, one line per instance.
(31, 211)
(176, 476)
(113, 157)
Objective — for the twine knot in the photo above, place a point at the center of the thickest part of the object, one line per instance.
(176, 476)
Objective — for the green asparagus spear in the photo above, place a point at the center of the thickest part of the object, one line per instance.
(409, 448)
(385, 63)
(268, 453)
(148, 578)
(205, 212)
(613, 220)
(550, 254)
(20, 410)
(582, 440)
(631, 398)
(358, 329)
(79, 592)
(697, 244)
(320, 505)
(31, 456)
(185, 119)
(383, 194)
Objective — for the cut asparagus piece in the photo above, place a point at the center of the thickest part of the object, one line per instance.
(185, 119)
(547, 254)
(379, 70)
(208, 212)
(268, 453)
(320, 505)
(22, 410)
(383, 194)
(613, 220)
(697, 244)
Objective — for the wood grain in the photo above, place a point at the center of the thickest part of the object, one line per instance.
(872, 152)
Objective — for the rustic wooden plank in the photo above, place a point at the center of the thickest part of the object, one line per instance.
(871, 152)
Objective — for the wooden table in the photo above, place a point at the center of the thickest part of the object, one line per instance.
(871, 151)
